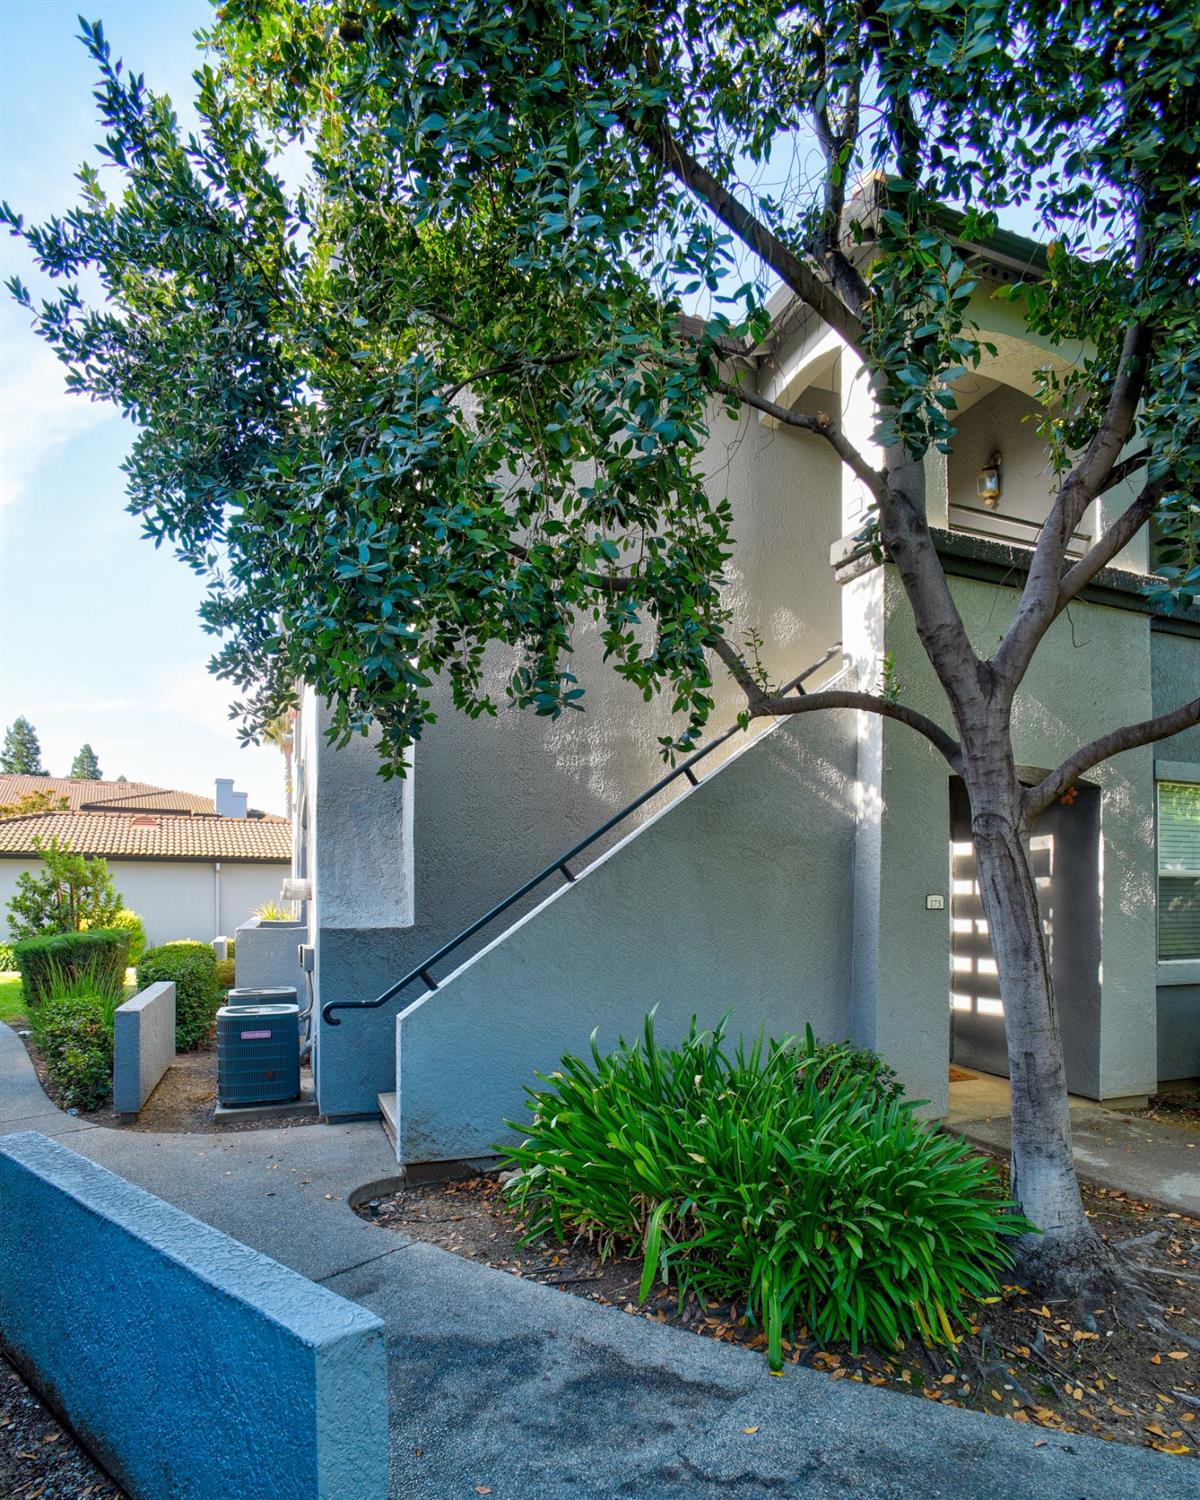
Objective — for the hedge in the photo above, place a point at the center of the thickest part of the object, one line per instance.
(74, 1035)
(101, 952)
(192, 968)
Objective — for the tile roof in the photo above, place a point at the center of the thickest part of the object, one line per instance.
(134, 820)
(111, 796)
(129, 835)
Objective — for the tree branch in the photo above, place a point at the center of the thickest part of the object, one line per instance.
(1039, 600)
(791, 269)
(822, 426)
(763, 705)
(1119, 535)
(807, 703)
(1039, 797)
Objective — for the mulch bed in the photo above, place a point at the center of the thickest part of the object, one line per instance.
(39, 1459)
(1023, 1359)
(1175, 1106)
(182, 1103)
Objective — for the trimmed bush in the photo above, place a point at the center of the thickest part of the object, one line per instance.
(101, 954)
(74, 1032)
(7, 961)
(192, 968)
(769, 1178)
(226, 973)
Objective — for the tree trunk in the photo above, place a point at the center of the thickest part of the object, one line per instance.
(1067, 1254)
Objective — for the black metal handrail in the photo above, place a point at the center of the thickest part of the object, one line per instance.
(560, 865)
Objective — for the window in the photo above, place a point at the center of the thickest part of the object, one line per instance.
(1178, 870)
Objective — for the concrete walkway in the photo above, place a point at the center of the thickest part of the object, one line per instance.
(1144, 1158)
(504, 1386)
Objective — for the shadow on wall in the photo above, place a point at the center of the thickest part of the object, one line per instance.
(738, 898)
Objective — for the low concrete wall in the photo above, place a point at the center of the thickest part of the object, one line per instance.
(736, 898)
(143, 1045)
(192, 1366)
(267, 955)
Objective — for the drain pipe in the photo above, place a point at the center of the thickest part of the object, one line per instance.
(216, 897)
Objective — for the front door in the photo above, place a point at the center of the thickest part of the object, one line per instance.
(1064, 851)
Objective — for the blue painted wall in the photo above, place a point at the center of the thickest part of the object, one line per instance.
(192, 1366)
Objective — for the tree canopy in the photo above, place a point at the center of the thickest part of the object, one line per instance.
(22, 753)
(445, 391)
(85, 766)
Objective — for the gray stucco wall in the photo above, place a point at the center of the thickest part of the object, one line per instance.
(1092, 672)
(493, 800)
(738, 898)
(192, 1366)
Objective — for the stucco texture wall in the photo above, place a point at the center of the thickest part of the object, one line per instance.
(1091, 673)
(192, 1366)
(736, 899)
(175, 898)
(494, 800)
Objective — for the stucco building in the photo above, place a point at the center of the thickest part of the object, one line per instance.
(191, 866)
(820, 872)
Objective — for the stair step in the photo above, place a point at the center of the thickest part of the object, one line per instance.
(387, 1109)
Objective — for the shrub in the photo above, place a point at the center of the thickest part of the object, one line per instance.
(272, 911)
(226, 973)
(129, 921)
(69, 893)
(73, 1028)
(192, 968)
(101, 953)
(833, 1062)
(806, 1197)
(7, 961)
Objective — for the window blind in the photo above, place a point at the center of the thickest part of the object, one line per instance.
(1178, 870)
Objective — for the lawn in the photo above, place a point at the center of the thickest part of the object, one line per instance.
(12, 1003)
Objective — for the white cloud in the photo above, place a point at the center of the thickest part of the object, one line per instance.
(36, 413)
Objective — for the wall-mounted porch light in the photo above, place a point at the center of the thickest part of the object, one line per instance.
(988, 483)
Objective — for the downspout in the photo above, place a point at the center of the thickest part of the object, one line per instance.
(216, 898)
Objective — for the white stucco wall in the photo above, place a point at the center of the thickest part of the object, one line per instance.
(176, 898)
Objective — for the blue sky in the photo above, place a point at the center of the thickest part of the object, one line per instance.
(99, 638)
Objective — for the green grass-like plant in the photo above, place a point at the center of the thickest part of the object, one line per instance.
(768, 1177)
(73, 1028)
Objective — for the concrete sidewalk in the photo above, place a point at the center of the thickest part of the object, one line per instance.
(1144, 1158)
(505, 1386)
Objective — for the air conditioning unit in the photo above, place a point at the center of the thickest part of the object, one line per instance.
(258, 1054)
(280, 995)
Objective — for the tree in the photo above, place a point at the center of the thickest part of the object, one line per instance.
(363, 406)
(67, 895)
(22, 753)
(279, 731)
(85, 766)
(34, 802)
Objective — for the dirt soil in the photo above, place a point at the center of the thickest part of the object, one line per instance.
(182, 1103)
(1177, 1105)
(1022, 1358)
(39, 1459)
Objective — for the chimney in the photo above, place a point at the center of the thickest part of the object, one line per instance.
(230, 804)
